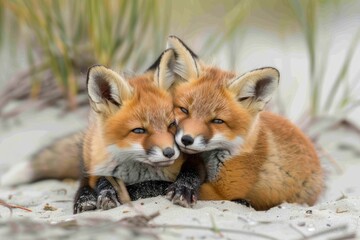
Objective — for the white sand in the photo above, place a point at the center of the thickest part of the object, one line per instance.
(289, 221)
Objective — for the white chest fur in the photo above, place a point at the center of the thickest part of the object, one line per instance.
(134, 172)
(130, 166)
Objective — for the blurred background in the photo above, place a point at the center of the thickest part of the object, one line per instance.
(47, 46)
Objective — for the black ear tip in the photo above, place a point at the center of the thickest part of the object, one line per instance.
(94, 66)
(89, 70)
(173, 36)
(155, 64)
(158, 60)
(275, 70)
(276, 73)
(184, 45)
(168, 50)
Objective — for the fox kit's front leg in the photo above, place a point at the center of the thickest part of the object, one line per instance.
(95, 193)
(104, 195)
(107, 195)
(185, 190)
(85, 198)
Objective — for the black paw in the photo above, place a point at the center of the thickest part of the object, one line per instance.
(181, 194)
(242, 202)
(85, 200)
(107, 199)
(107, 196)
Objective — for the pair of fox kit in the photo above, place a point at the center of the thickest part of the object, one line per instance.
(189, 131)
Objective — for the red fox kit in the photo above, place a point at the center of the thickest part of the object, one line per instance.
(130, 134)
(249, 154)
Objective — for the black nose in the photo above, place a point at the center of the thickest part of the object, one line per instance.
(187, 140)
(168, 152)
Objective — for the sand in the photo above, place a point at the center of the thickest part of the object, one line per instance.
(51, 204)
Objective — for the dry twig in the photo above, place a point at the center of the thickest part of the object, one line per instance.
(139, 220)
(12, 206)
(121, 190)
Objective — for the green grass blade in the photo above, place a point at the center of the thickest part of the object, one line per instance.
(343, 71)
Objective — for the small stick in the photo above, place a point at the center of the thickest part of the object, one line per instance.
(123, 197)
(120, 187)
(11, 206)
(140, 220)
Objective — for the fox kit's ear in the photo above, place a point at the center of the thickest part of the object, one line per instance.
(163, 69)
(187, 64)
(107, 89)
(254, 89)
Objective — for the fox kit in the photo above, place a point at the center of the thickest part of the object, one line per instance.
(130, 135)
(248, 154)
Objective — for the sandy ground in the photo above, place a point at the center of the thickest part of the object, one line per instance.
(336, 215)
(287, 221)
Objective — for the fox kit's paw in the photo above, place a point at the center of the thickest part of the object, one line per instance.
(242, 202)
(184, 191)
(107, 199)
(85, 200)
(182, 194)
(107, 196)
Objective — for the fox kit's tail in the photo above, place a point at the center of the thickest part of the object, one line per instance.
(59, 160)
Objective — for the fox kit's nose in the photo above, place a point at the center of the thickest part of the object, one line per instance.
(168, 152)
(187, 140)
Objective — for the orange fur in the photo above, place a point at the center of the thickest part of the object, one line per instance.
(248, 154)
(276, 163)
(149, 107)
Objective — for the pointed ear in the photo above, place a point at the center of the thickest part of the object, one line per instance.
(163, 69)
(187, 64)
(254, 89)
(107, 89)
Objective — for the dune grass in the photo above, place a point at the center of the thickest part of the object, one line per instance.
(64, 38)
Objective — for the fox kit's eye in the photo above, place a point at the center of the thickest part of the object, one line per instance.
(184, 110)
(172, 124)
(217, 121)
(139, 130)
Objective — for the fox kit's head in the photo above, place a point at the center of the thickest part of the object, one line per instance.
(135, 116)
(215, 109)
